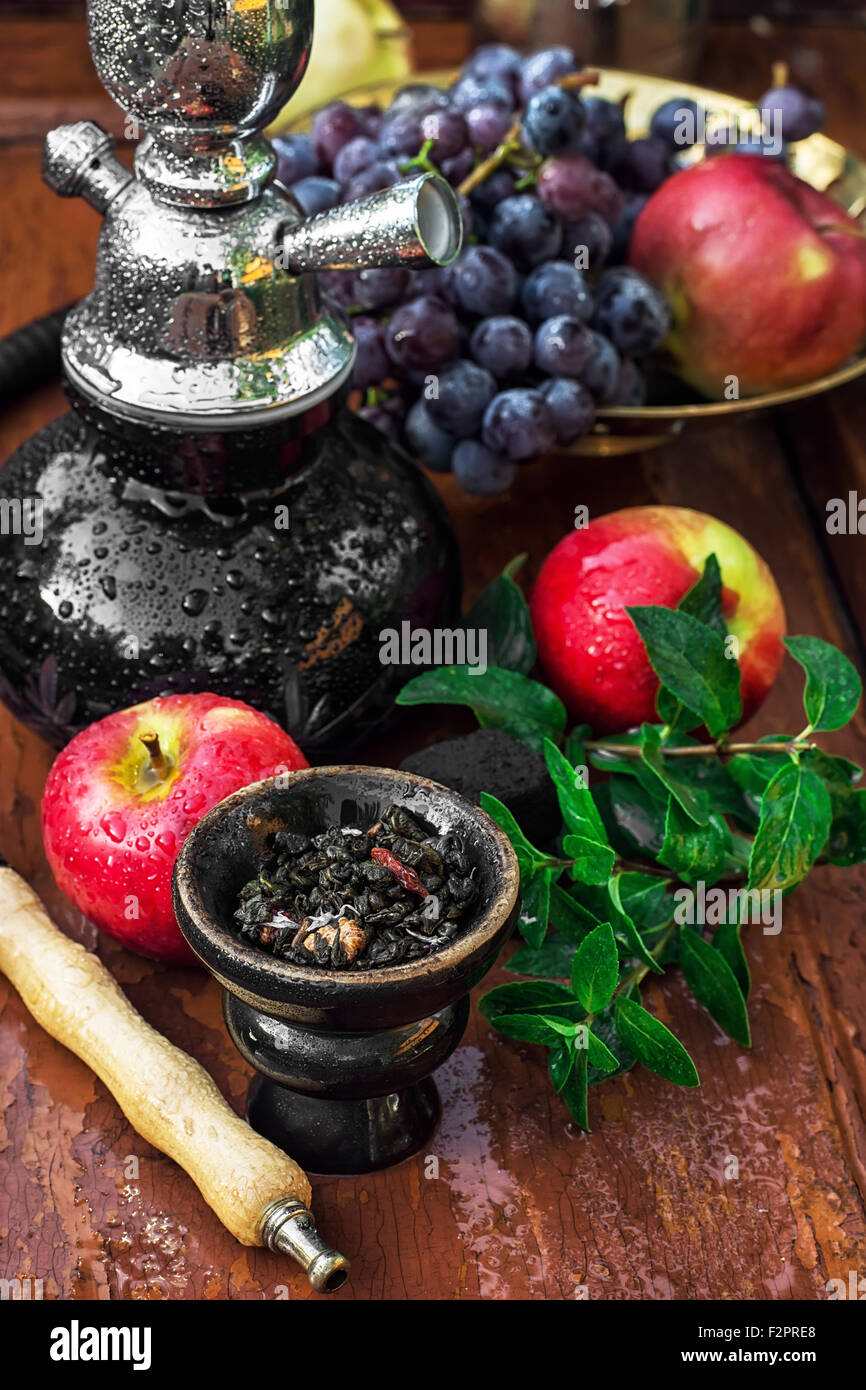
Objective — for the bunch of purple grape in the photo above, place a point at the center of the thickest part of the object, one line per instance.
(508, 353)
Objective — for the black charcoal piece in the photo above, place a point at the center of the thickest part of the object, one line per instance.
(489, 760)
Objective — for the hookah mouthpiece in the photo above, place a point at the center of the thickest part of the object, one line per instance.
(288, 1227)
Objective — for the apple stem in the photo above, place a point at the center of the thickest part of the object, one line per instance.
(844, 228)
(781, 73)
(158, 761)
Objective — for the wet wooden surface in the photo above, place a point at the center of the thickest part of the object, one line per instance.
(751, 1187)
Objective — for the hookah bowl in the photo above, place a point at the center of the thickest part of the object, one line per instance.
(211, 514)
(344, 1057)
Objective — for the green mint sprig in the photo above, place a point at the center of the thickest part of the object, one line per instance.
(603, 907)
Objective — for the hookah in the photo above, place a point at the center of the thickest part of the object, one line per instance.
(213, 515)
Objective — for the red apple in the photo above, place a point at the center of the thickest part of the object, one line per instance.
(765, 276)
(122, 797)
(588, 646)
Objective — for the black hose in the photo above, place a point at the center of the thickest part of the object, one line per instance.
(30, 356)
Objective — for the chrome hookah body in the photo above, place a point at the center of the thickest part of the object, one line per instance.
(212, 515)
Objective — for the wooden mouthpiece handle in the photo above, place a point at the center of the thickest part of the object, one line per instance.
(165, 1094)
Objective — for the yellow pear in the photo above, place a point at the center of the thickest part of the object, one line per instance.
(357, 43)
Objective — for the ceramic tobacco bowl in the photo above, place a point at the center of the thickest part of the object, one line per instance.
(344, 1057)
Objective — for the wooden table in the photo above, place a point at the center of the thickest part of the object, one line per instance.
(523, 1206)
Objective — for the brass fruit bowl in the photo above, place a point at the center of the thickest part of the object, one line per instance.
(823, 163)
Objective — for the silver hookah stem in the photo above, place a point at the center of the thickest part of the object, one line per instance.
(288, 1228)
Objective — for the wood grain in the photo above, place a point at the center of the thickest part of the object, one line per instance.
(751, 1187)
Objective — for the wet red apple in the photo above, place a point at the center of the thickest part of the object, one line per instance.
(589, 648)
(765, 276)
(122, 797)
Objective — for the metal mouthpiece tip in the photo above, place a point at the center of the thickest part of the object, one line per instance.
(288, 1227)
(439, 221)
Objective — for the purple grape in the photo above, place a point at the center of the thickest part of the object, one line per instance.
(631, 387)
(333, 127)
(572, 186)
(603, 138)
(401, 137)
(496, 61)
(296, 158)
(519, 425)
(553, 121)
(423, 335)
(371, 363)
(732, 140)
(426, 440)
(487, 127)
(316, 194)
(526, 231)
(338, 286)
(645, 165)
(572, 408)
(417, 99)
(555, 288)
(624, 226)
(383, 174)
(545, 68)
(456, 169)
(464, 393)
(503, 345)
(359, 154)
(479, 471)
(591, 237)
(677, 123)
(791, 113)
(483, 282)
(448, 131)
(630, 311)
(494, 190)
(471, 91)
(601, 374)
(376, 289)
(563, 346)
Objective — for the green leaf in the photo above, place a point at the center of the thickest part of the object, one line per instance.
(528, 857)
(575, 750)
(592, 861)
(644, 897)
(847, 842)
(569, 916)
(796, 815)
(726, 940)
(654, 1044)
(535, 908)
(690, 661)
(624, 927)
(528, 997)
(560, 1063)
(604, 1030)
(714, 985)
(552, 958)
(833, 687)
(499, 699)
(598, 1053)
(502, 612)
(695, 852)
(534, 1028)
(574, 1092)
(693, 800)
(634, 819)
(595, 969)
(704, 600)
(575, 801)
